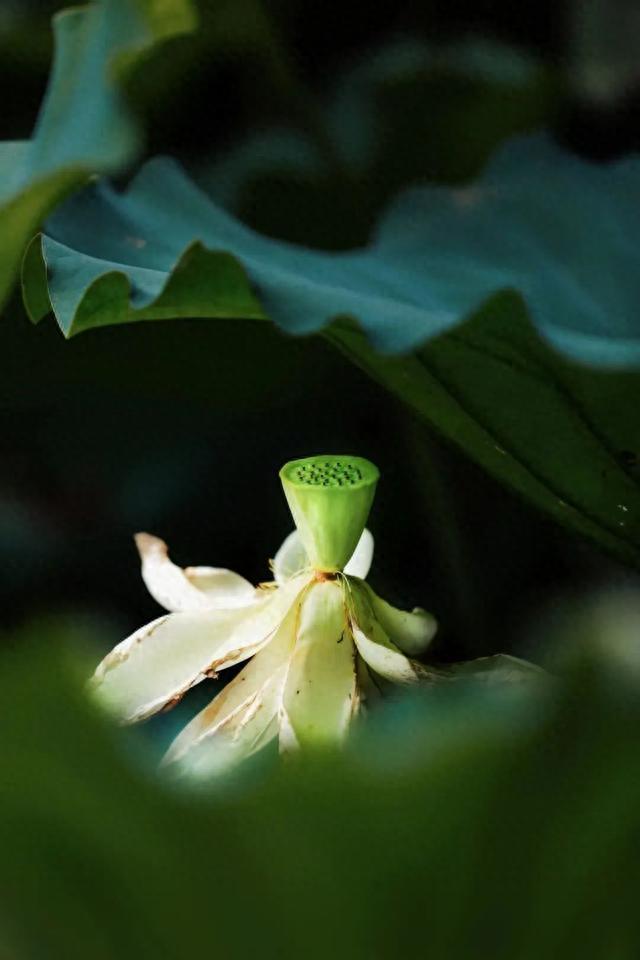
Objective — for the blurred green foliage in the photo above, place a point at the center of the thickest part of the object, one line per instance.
(405, 112)
(459, 823)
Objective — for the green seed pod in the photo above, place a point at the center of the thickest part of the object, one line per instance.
(330, 498)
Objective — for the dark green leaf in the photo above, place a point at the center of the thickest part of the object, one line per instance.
(565, 436)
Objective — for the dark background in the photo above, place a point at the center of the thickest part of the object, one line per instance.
(180, 428)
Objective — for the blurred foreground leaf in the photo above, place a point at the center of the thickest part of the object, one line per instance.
(83, 126)
(461, 823)
(564, 436)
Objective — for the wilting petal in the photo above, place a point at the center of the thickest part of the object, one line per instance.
(292, 558)
(287, 740)
(373, 644)
(244, 731)
(256, 687)
(360, 562)
(191, 589)
(320, 692)
(411, 632)
(158, 663)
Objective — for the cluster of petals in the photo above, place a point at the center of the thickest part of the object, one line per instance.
(318, 648)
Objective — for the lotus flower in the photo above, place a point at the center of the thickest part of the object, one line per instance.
(318, 639)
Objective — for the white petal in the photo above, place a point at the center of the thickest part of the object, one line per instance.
(411, 632)
(320, 692)
(292, 558)
(191, 589)
(249, 688)
(373, 644)
(360, 562)
(287, 740)
(243, 732)
(158, 663)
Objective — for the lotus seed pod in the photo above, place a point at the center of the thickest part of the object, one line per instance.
(330, 498)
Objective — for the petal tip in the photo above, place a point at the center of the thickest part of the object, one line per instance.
(147, 544)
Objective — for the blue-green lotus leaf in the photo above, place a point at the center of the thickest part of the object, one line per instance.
(83, 126)
(557, 229)
(465, 290)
